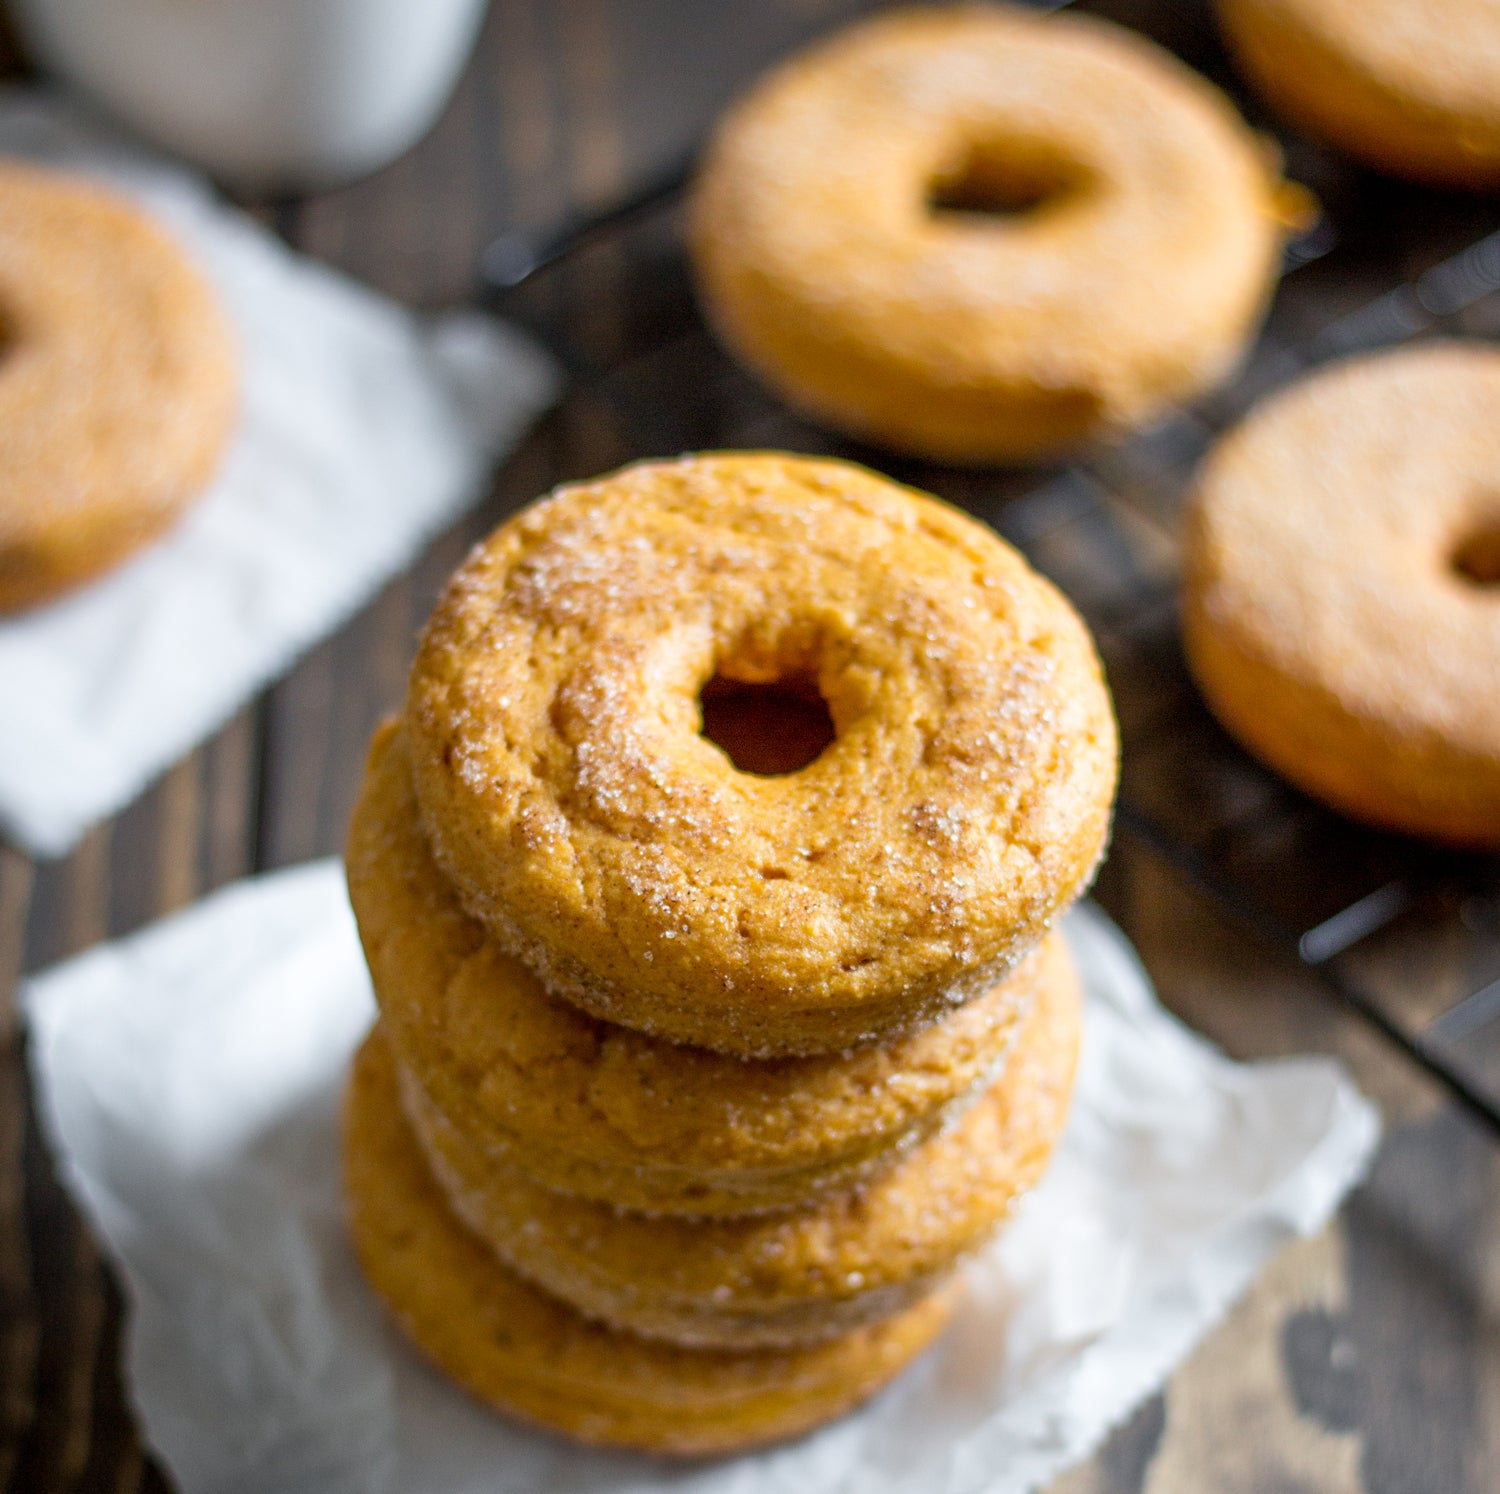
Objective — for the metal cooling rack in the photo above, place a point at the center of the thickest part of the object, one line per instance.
(1406, 935)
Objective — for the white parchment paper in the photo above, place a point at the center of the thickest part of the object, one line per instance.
(188, 1079)
(364, 429)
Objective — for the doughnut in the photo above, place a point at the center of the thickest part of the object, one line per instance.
(1342, 588)
(1409, 86)
(527, 1354)
(613, 1115)
(553, 723)
(117, 382)
(770, 1280)
(977, 234)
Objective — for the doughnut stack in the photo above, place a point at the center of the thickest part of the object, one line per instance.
(696, 1077)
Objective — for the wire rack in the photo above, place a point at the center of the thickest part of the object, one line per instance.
(1406, 935)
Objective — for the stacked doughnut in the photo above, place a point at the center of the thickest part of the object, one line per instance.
(695, 1079)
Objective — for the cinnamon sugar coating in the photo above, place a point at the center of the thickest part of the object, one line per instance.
(553, 723)
(1136, 243)
(1340, 608)
(800, 1277)
(615, 1115)
(528, 1355)
(1410, 86)
(117, 382)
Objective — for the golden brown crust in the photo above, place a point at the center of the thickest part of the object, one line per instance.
(553, 720)
(1323, 613)
(117, 382)
(799, 1277)
(528, 1355)
(615, 1115)
(1134, 284)
(1411, 86)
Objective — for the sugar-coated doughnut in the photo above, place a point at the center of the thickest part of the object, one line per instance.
(613, 1115)
(801, 1276)
(1342, 589)
(527, 1354)
(1410, 86)
(553, 723)
(117, 382)
(1142, 248)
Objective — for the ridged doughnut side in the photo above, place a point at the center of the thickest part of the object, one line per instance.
(527, 1355)
(612, 1114)
(822, 1269)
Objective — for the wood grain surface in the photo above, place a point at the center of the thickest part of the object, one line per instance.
(1366, 1361)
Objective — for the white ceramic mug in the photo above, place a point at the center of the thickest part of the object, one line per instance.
(265, 93)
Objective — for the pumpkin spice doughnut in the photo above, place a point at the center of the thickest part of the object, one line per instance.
(117, 382)
(527, 1354)
(800, 1277)
(1342, 589)
(978, 234)
(532, 1082)
(553, 722)
(1410, 86)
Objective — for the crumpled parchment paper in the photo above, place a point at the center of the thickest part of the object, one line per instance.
(188, 1078)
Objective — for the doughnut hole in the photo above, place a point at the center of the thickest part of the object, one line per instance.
(768, 728)
(1002, 179)
(1476, 557)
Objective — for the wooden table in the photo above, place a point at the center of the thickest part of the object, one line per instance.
(1365, 1360)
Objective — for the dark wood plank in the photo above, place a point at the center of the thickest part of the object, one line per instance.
(18, 1323)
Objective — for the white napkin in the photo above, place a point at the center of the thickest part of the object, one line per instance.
(188, 1079)
(364, 429)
